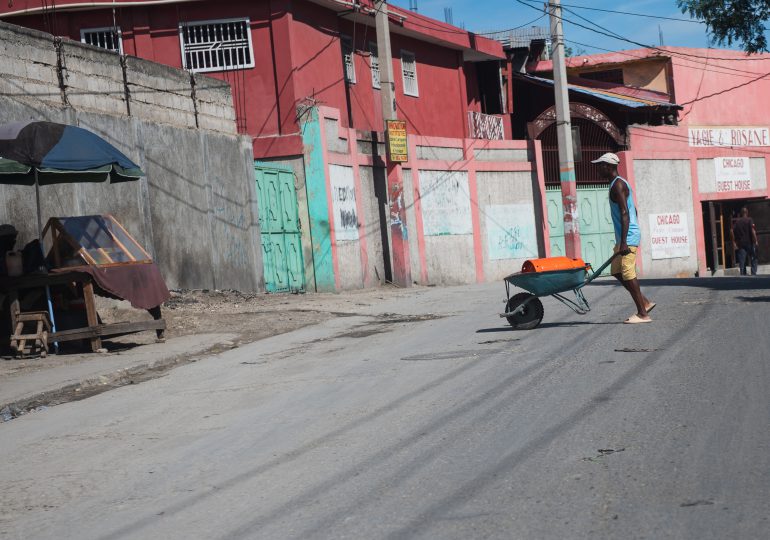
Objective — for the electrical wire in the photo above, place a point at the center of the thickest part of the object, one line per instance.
(611, 34)
(634, 14)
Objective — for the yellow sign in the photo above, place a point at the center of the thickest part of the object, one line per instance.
(398, 149)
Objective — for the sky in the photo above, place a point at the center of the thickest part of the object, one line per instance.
(486, 15)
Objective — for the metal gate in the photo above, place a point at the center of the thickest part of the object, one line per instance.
(597, 235)
(280, 228)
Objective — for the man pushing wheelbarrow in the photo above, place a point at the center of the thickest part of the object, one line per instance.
(555, 275)
(627, 236)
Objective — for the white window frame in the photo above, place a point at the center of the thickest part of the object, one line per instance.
(408, 91)
(103, 29)
(374, 64)
(348, 58)
(205, 60)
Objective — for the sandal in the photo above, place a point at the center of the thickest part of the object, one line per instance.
(651, 306)
(636, 319)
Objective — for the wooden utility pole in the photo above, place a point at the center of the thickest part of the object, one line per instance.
(564, 136)
(402, 274)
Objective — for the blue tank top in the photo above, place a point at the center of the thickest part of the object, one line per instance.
(634, 235)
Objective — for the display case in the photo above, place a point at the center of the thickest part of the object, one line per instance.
(99, 240)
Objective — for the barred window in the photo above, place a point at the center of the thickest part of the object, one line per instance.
(374, 62)
(218, 45)
(106, 38)
(348, 59)
(409, 73)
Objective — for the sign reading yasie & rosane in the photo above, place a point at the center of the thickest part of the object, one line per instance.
(728, 136)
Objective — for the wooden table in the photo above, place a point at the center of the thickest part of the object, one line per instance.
(94, 331)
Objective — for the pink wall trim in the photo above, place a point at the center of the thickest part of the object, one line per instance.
(418, 215)
(754, 194)
(478, 248)
(700, 238)
(537, 153)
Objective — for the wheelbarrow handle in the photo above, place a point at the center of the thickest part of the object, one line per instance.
(596, 274)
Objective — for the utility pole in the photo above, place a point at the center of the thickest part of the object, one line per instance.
(564, 136)
(402, 274)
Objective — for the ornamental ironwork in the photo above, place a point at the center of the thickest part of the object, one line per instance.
(577, 110)
(485, 126)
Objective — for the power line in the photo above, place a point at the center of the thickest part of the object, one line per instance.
(635, 14)
(510, 29)
(611, 34)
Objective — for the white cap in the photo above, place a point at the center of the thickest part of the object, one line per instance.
(609, 157)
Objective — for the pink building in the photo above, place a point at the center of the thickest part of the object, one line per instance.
(692, 127)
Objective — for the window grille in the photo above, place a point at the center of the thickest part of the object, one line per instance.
(374, 61)
(106, 38)
(409, 73)
(348, 59)
(218, 45)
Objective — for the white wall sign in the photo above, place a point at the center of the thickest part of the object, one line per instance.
(343, 202)
(732, 174)
(446, 203)
(669, 236)
(511, 231)
(733, 136)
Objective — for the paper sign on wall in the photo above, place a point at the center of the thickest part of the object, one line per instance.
(343, 202)
(669, 236)
(511, 231)
(446, 203)
(732, 174)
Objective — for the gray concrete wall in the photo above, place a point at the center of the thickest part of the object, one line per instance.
(443, 153)
(195, 211)
(664, 186)
(374, 198)
(505, 191)
(36, 69)
(494, 154)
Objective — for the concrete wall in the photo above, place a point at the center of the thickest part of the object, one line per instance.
(467, 219)
(665, 186)
(195, 211)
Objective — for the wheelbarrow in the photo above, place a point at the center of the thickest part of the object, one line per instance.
(551, 276)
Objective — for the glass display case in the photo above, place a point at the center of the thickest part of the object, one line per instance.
(99, 240)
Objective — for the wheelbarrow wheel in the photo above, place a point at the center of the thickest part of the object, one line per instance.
(530, 316)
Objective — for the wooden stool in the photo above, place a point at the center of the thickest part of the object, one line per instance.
(39, 321)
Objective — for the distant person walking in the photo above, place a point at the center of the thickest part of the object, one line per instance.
(745, 242)
(627, 236)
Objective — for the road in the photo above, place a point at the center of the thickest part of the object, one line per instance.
(426, 417)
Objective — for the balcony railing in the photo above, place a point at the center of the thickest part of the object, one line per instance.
(485, 126)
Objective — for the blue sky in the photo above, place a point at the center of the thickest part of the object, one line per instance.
(486, 15)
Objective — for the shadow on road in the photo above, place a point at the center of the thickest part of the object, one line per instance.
(753, 298)
(715, 284)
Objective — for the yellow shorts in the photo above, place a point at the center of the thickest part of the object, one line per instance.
(625, 265)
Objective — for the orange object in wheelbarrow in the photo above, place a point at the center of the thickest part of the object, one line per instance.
(550, 264)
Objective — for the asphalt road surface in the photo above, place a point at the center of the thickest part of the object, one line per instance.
(427, 418)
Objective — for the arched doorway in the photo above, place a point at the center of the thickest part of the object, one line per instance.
(593, 135)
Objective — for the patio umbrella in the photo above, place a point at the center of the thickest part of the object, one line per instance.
(41, 153)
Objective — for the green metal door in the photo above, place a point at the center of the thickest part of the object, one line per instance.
(280, 228)
(597, 236)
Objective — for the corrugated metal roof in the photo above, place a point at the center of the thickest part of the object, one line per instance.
(605, 95)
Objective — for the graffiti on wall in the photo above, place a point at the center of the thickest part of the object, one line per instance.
(510, 231)
(343, 190)
(446, 203)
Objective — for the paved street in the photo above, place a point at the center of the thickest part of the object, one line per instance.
(427, 417)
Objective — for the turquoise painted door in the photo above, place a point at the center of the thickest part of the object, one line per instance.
(597, 236)
(280, 228)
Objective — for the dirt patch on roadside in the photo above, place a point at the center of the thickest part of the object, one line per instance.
(249, 316)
